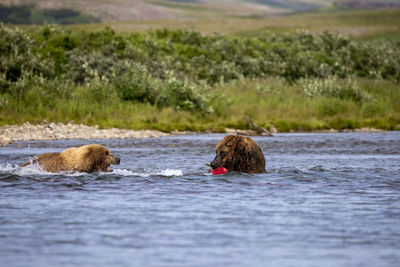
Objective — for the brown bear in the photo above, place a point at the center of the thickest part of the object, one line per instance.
(239, 153)
(89, 158)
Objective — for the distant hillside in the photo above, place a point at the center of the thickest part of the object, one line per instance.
(145, 10)
(78, 11)
(366, 4)
(30, 14)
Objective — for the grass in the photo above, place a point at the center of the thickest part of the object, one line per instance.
(364, 24)
(274, 102)
(268, 102)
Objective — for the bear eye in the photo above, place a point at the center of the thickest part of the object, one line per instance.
(106, 153)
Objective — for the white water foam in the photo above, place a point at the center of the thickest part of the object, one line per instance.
(125, 172)
(170, 172)
(302, 170)
(166, 172)
(32, 169)
(7, 167)
(35, 169)
(27, 170)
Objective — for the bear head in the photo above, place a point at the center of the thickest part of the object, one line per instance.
(239, 153)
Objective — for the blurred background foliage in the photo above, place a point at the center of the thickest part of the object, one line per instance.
(193, 80)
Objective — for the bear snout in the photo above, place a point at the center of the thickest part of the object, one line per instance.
(216, 163)
(115, 160)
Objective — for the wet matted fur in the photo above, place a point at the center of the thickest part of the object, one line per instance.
(239, 153)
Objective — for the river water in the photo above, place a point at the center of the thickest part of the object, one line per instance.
(326, 200)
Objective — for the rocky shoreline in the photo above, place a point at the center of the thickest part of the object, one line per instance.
(55, 131)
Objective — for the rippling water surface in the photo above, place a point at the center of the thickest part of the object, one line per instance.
(326, 200)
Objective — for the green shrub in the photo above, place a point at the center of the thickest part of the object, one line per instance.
(99, 91)
(4, 101)
(346, 89)
(135, 85)
(182, 95)
(179, 70)
(19, 60)
(83, 66)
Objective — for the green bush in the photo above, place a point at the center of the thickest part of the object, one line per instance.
(135, 85)
(179, 69)
(19, 60)
(346, 89)
(83, 66)
(181, 95)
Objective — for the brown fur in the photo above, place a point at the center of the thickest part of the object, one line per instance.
(239, 153)
(89, 158)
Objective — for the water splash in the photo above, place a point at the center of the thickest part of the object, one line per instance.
(6, 168)
(126, 172)
(31, 169)
(146, 173)
(36, 169)
(170, 172)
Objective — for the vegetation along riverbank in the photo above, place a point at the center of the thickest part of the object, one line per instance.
(187, 80)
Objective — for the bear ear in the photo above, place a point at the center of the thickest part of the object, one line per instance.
(92, 154)
(95, 153)
(89, 150)
(240, 141)
(229, 137)
(225, 140)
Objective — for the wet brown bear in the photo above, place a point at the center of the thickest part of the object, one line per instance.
(239, 153)
(89, 158)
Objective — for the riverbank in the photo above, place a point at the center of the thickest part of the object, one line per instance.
(71, 130)
(57, 131)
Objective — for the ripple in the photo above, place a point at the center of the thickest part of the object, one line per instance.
(321, 192)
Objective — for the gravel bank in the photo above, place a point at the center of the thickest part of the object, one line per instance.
(53, 131)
